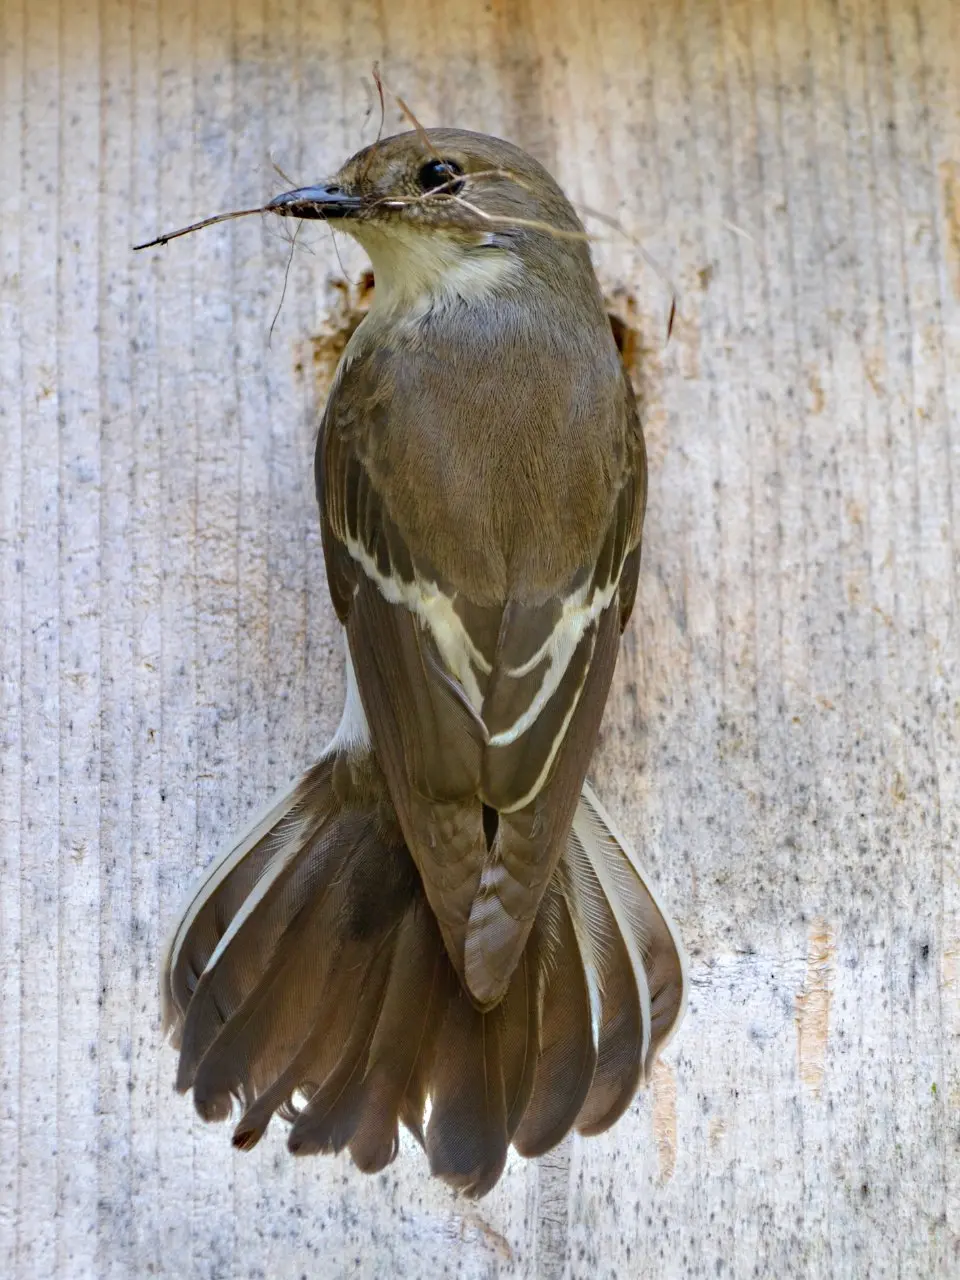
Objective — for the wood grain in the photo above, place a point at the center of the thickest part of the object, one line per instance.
(783, 738)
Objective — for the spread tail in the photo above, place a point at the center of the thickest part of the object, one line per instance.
(308, 978)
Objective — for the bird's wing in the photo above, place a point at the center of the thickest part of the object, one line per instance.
(483, 716)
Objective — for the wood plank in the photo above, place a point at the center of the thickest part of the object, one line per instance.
(783, 736)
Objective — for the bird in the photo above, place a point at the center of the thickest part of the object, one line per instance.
(439, 926)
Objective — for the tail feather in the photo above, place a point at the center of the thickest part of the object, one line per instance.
(256, 947)
(620, 1050)
(467, 1130)
(227, 885)
(623, 1032)
(308, 978)
(330, 1117)
(348, 995)
(274, 1023)
(402, 1051)
(323, 1062)
(569, 1026)
(314, 978)
(657, 955)
(519, 1016)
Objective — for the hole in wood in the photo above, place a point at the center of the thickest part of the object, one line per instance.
(625, 336)
(351, 302)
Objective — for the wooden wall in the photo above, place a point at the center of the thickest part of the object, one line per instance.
(782, 741)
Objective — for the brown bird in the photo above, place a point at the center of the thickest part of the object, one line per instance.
(440, 909)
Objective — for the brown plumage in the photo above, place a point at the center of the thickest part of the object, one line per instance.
(441, 910)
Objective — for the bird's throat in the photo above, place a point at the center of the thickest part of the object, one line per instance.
(417, 270)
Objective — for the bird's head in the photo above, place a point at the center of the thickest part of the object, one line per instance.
(448, 211)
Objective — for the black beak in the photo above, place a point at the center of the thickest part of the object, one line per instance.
(324, 202)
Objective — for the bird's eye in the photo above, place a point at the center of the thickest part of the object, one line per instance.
(440, 173)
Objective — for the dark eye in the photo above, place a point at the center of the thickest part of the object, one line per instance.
(440, 173)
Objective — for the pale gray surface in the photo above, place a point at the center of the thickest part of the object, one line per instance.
(783, 740)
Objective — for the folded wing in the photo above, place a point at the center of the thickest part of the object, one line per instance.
(483, 715)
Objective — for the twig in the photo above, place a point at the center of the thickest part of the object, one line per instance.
(198, 226)
(286, 277)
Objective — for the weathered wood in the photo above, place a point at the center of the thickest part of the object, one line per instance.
(784, 734)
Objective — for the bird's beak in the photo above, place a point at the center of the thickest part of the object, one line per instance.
(326, 202)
